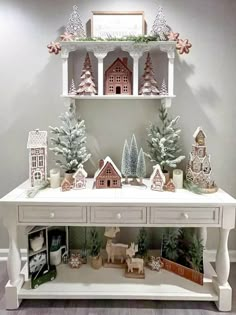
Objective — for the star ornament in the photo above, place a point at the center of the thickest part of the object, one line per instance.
(172, 36)
(67, 37)
(183, 46)
(54, 48)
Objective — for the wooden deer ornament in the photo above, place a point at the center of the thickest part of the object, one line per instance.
(135, 266)
(115, 251)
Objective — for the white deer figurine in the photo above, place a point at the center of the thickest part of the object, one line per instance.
(134, 263)
(115, 250)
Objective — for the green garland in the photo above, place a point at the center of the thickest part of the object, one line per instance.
(136, 39)
(192, 187)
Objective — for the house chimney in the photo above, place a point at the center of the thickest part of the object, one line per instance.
(125, 61)
(101, 163)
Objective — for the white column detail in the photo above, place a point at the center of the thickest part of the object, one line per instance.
(100, 57)
(135, 55)
(65, 56)
(203, 236)
(222, 258)
(171, 59)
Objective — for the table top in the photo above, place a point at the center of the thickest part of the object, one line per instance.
(135, 195)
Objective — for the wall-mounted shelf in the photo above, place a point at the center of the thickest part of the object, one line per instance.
(136, 50)
(165, 99)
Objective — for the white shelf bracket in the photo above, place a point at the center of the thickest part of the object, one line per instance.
(100, 56)
(64, 56)
(171, 59)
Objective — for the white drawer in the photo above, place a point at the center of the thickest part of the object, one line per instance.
(166, 215)
(40, 214)
(120, 215)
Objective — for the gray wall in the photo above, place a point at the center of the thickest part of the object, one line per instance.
(31, 85)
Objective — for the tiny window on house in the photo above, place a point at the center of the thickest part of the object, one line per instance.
(118, 79)
(118, 69)
(108, 171)
(37, 175)
(111, 88)
(101, 182)
(41, 160)
(111, 79)
(125, 88)
(125, 79)
(114, 182)
(34, 163)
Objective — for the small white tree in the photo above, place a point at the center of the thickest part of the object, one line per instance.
(74, 25)
(163, 90)
(87, 85)
(125, 163)
(72, 90)
(133, 157)
(164, 148)
(70, 141)
(159, 27)
(141, 166)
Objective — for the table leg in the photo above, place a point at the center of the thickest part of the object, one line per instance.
(222, 270)
(13, 263)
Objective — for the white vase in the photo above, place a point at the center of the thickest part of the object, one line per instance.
(36, 243)
(55, 256)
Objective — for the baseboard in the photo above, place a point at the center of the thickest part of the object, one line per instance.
(210, 254)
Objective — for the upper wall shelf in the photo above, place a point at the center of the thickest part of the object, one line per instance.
(101, 48)
(165, 99)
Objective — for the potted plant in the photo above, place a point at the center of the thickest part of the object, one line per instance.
(69, 143)
(163, 145)
(95, 247)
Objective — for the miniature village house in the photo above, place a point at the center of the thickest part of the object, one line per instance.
(80, 178)
(108, 175)
(118, 78)
(37, 145)
(157, 178)
(199, 166)
(66, 185)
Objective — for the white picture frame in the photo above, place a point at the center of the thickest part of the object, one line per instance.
(117, 24)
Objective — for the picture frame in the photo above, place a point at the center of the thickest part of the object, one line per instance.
(119, 23)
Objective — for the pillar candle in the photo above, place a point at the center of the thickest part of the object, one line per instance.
(55, 178)
(178, 178)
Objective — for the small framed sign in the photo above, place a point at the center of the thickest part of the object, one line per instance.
(107, 24)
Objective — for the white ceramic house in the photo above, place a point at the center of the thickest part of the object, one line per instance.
(157, 178)
(80, 178)
(37, 145)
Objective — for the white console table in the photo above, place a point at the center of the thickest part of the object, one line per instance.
(128, 207)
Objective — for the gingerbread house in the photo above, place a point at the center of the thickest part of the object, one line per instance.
(108, 175)
(80, 178)
(37, 145)
(157, 178)
(170, 186)
(66, 185)
(118, 78)
(199, 165)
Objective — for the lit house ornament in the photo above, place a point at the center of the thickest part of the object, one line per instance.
(37, 145)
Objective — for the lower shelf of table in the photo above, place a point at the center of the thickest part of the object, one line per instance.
(109, 283)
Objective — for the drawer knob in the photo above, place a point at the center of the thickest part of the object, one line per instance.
(185, 215)
(118, 216)
(52, 215)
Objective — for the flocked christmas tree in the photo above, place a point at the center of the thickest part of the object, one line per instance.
(74, 25)
(163, 144)
(163, 90)
(87, 85)
(141, 166)
(142, 242)
(70, 141)
(125, 163)
(149, 84)
(133, 158)
(72, 90)
(159, 27)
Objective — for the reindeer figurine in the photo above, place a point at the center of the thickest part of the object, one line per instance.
(134, 263)
(114, 251)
